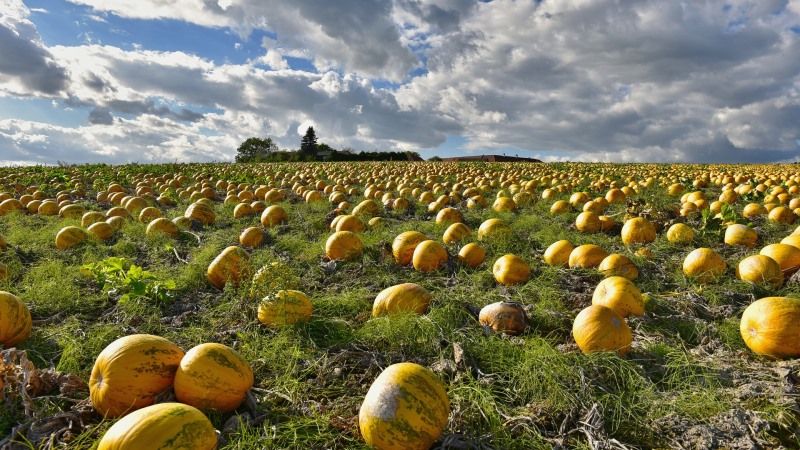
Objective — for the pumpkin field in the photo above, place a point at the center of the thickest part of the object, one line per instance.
(407, 305)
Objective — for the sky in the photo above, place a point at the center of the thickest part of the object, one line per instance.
(117, 81)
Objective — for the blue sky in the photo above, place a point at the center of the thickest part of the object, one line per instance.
(143, 80)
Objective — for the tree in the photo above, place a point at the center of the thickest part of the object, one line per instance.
(255, 149)
(308, 145)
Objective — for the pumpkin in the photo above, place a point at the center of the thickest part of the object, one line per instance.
(406, 408)
(242, 210)
(101, 230)
(455, 233)
(165, 425)
(149, 214)
(273, 215)
(48, 208)
(619, 294)
(92, 217)
(491, 228)
(787, 256)
(343, 246)
(116, 222)
(69, 237)
(286, 307)
(559, 207)
(781, 214)
(504, 317)
(162, 226)
(511, 269)
(71, 211)
(738, 234)
(118, 211)
(349, 222)
(230, 265)
(472, 255)
(9, 205)
(793, 240)
(367, 208)
(752, 210)
(251, 237)
(771, 327)
(131, 371)
(448, 215)
(600, 329)
(618, 265)
(15, 320)
(680, 233)
(404, 244)
(760, 270)
(704, 265)
(588, 222)
(557, 254)
(504, 204)
(201, 212)
(638, 231)
(586, 256)
(406, 297)
(213, 377)
(429, 256)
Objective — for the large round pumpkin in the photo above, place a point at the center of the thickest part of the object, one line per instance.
(350, 222)
(619, 294)
(405, 408)
(616, 264)
(101, 230)
(404, 244)
(586, 256)
(286, 307)
(131, 371)
(343, 246)
(704, 265)
(588, 222)
(213, 377)
(455, 233)
(229, 266)
(491, 228)
(638, 231)
(600, 329)
(161, 426)
(738, 234)
(680, 233)
(472, 255)
(504, 317)
(557, 254)
(162, 227)
(429, 256)
(511, 269)
(787, 256)
(15, 320)
(201, 212)
(771, 327)
(760, 270)
(406, 297)
(273, 215)
(251, 237)
(69, 237)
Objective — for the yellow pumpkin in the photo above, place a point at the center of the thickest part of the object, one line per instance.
(760, 270)
(406, 297)
(273, 215)
(243, 210)
(600, 329)
(781, 214)
(472, 255)
(638, 231)
(15, 320)
(586, 256)
(116, 223)
(738, 234)
(131, 371)
(101, 230)
(455, 233)
(557, 254)
(588, 222)
(704, 265)
(429, 256)
(149, 214)
(201, 212)
(343, 246)
(368, 208)
(619, 265)
(92, 217)
(504, 317)
(165, 425)
(787, 256)
(680, 233)
(406, 408)
(771, 327)
(231, 265)
(511, 269)
(162, 226)
(504, 204)
(491, 228)
(349, 222)
(619, 294)
(213, 377)
(404, 244)
(559, 207)
(69, 237)
(251, 237)
(448, 215)
(286, 307)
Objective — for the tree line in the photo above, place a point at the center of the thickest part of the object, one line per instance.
(257, 149)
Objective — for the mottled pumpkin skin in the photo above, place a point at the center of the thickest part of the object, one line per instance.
(704, 265)
(586, 256)
(343, 246)
(760, 270)
(286, 307)
(69, 237)
(200, 212)
(406, 408)
(472, 255)
(787, 257)
(618, 265)
(638, 231)
(165, 426)
(490, 228)
(619, 294)
(557, 254)
(404, 244)
(599, 329)
(273, 215)
(680, 233)
(511, 269)
(101, 230)
(162, 226)
(251, 237)
(15, 320)
(406, 297)
(504, 317)
(429, 256)
(213, 377)
(131, 371)
(455, 233)
(229, 266)
(771, 327)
